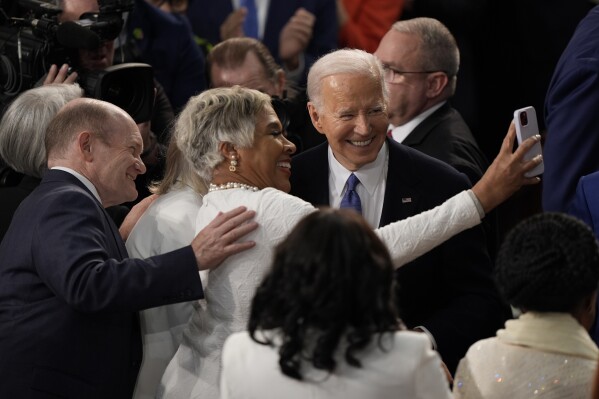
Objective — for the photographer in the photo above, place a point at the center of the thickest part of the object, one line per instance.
(154, 134)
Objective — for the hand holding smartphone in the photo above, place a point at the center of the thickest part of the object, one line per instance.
(525, 120)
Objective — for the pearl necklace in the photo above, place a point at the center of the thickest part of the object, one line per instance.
(230, 185)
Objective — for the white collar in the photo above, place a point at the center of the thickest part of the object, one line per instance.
(400, 133)
(82, 179)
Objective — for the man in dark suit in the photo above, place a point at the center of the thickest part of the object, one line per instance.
(296, 32)
(68, 294)
(447, 293)
(421, 61)
(584, 205)
(572, 143)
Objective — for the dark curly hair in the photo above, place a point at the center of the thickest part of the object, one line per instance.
(332, 279)
(548, 263)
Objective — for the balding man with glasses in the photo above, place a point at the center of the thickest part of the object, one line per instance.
(421, 60)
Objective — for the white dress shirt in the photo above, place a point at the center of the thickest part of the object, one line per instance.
(399, 133)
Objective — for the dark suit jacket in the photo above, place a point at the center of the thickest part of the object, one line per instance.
(165, 41)
(206, 17)
(446, 136)
(585, 206)
(11, 196)
(69, 298)
(448, 290)
(572, 142)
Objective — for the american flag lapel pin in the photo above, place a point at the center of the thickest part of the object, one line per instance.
(406, 200)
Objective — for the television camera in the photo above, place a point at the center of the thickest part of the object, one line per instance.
(34, 39)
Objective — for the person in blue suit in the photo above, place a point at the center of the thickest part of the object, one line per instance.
(447, 293)
(165, 41)
(572, 140)
(69, 295)
(296, 32)
(585, 206)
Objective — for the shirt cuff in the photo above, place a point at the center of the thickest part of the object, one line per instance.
(429, 335)
(479, 207)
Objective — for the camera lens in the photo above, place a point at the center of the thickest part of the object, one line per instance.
(523, 118)
(129, 86)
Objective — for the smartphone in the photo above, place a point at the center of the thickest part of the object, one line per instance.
(526, 126)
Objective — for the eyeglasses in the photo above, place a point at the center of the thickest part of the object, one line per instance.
(394, 75)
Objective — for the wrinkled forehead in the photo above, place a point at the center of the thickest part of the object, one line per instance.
(352, 89)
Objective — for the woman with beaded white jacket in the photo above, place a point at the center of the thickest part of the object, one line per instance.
(236, 141)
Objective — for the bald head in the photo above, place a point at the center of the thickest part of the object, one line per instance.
(101, 142)
(82, 114)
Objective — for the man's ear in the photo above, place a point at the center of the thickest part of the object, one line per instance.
(437, 82)
(85, 142)
(315, 117)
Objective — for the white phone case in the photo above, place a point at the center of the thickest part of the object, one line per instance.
(526, 126)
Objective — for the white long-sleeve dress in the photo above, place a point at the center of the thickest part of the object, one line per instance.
(194, 371)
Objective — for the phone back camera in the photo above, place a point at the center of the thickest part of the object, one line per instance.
(523, 118)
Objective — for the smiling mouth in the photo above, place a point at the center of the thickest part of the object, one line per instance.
(360, 143)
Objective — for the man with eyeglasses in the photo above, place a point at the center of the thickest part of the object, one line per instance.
(421, 60)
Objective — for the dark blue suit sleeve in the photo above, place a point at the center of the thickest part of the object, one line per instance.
(79, 257)
(571, 117)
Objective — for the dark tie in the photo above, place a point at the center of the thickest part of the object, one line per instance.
(351, 199)
(390, 133)
(250, 24)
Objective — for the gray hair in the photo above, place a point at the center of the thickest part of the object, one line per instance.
(23, 126)
(438, 48)
(350, 61)
(225, 114)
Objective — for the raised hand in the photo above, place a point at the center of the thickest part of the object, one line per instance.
(295, 36)
(56, 75)
(233, 24)
(505, 176)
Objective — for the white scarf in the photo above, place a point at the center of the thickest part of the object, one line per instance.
(550, 332)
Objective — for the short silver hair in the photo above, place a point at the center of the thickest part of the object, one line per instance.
(224, 114)
(350, 61)
(23, 126)
(438, 48)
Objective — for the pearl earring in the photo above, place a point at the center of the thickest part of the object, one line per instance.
(233, 165)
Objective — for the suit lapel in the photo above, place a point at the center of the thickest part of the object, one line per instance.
(401, 195)
(67, 178)
(420, 132)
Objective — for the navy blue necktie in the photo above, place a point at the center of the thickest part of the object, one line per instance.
(351, 199)
(250, 24)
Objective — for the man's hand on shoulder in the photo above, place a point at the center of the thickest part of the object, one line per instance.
(219, 239)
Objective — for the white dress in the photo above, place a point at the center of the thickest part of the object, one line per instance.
(194, 371)
(406, 368)
(168, 224)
